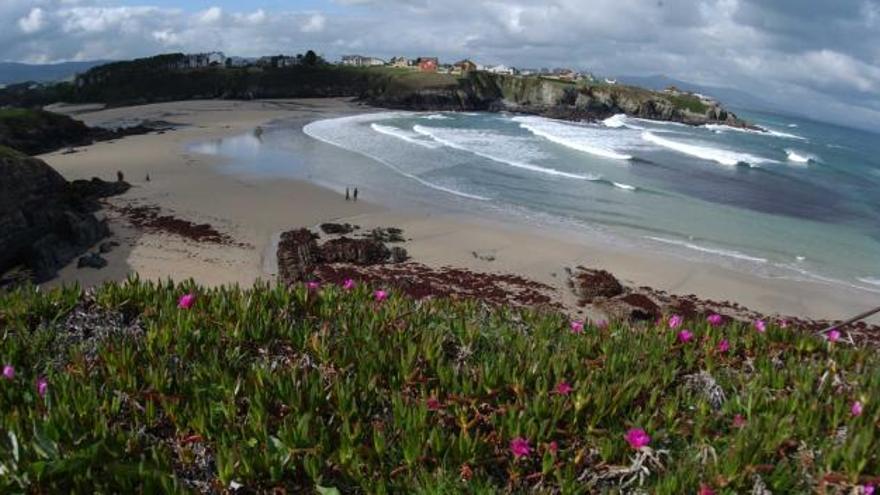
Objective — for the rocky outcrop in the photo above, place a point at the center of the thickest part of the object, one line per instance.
(45, 222)
(590, 285)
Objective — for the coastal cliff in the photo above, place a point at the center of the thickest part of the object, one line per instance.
(150, 80)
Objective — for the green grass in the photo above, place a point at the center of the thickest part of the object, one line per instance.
(6, 152)
(688, 102)
(286, 388)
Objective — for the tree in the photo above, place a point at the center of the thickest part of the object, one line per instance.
(311, 58)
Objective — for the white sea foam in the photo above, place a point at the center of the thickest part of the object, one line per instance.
(781, 134)
(490, 146)
(592, 140)
(659, 122)
(870, 281)
(620, 120)
(705, 152)
(761, 131)
(800, 157)
(408, 136)
(703, 249)
(436, 116)
(322, 130)
(793, 126)
(621, 185)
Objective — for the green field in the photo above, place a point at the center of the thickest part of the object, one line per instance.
(311, 391)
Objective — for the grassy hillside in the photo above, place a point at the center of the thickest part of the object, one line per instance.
(311, 391)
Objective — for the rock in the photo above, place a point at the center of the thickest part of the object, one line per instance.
(97, 188)
(91, 260)
(398, 255)
(297, 255)
(44, 222)
(106, 247)
(337, 228)
(391, 234)
(355, 251)
(640, 307)
(591, 284)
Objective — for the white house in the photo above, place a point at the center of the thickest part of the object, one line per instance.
(501, 69)
(361, 61)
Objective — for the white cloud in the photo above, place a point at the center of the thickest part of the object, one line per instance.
(210, 16)
(33, 22)
(314, 24)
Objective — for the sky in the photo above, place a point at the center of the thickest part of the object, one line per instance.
(820, 58)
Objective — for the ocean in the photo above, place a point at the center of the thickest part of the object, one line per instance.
(800, 200)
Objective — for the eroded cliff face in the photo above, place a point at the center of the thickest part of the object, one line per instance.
(551, 98)
(45, 222)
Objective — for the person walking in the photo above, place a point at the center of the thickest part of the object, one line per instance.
(355, 194)
(347, 197)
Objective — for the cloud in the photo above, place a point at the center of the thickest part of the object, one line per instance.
(784, 50)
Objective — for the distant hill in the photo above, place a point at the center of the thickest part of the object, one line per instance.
(14, 72)
(731, 97)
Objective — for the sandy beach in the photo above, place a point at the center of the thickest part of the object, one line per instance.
(252, 211)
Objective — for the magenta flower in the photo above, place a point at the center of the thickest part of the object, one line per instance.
(685, 336)
(42, 387)
(833, 336)
(433, 404)
(553, 447)
(856, 409)
(313, 285)
(520, 447)
(868, 489)
(564, 388)
(9, 372)
(675, 321)
(715, 319)
(637, 438)
(186, 301)
(784, 323)
(723, 346)
(380, 295)
(706, 490)
(739, 421)
(348, 284)
(760, 326)
(577, 326)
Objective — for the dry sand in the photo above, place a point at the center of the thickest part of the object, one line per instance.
(254, 211)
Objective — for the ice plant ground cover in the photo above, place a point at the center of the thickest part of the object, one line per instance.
(126, 390)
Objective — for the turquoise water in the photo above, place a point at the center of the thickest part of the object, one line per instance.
(801, 200)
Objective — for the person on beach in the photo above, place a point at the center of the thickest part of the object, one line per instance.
(119, 176)
(355, 194)
(347, 197)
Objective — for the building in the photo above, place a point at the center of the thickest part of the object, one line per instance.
(200, 60)
(361, 61)
(501, 69)
(427, 64)
(400, 62)
(464, 66)
(610, 81)
(278, 61)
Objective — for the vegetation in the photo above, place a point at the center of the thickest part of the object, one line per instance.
(690, 103)
(9, 153)
(133, 388)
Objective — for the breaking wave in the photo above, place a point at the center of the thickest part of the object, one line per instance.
(591, 140)
(703, 249)
(486, 145)
(620, 120)
(798, 157)
(409, 137)
(722, 156)
(436, 116)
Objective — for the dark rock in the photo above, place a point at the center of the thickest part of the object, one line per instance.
(337, 228)
(97, 188)
(642, 308)
(45, 223)
(399, 255)
(297, 255)
(591, 284)
(106, 247)
(391, 234)
(91, 260)
(355, 251)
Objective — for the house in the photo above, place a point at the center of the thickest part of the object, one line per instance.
(278, 61)
(610, 81)
(400, 62)
(427, 64)
(240, 62)
(501, 69)
(463, 66)
(361, 61)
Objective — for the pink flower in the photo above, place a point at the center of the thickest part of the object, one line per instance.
(42, 387)
(9, 372)
(380, 295)
(833, 335)
(186, 301)
(723, 346)
(433, 404)
(760, 326)
(520, 447)
(784, 323)
(348, 284)
(553, 447)
(868, 489)
(715, 319)
(856, 409)
(602, 324)
(313, 285)
(706, 490)
(577, 326)
(564, 388)
(739, 421)
(637, 438)
(685, 336)
(675, 321)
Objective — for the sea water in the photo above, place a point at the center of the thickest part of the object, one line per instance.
(799, 199)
